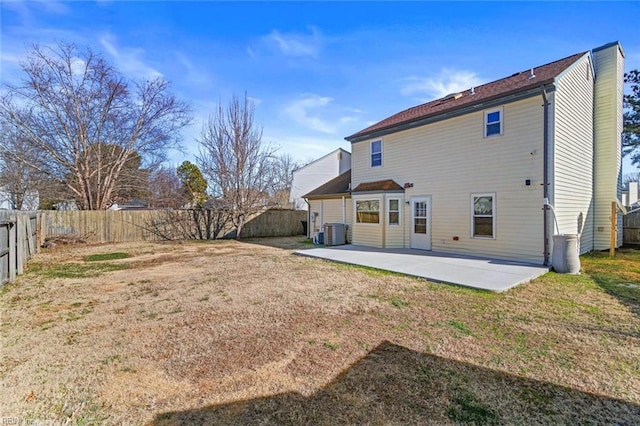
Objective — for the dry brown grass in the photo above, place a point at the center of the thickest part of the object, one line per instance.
(242, 333)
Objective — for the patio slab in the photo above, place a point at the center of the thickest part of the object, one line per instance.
(469, 271)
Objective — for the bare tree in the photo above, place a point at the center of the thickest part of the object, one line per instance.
(19, 184)
(283, 167)
(72, 100)
(165, 189)
(237, 165)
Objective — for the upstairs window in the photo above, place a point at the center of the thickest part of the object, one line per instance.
(493, 123)
(376, 153)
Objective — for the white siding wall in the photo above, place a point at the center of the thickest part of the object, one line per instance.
(450, 160)
(331, 211)
(344, 163)
(317, 173)
(609, 67)
(573, 152)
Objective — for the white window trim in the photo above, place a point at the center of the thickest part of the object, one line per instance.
(484, 122)
(380, 211)
(371, 153)
(389, 211)
(494, 215)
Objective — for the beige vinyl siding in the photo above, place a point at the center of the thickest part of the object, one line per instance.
(609, 68)
(573, 152)
(331, 211)
(450, 160)
(368, 234)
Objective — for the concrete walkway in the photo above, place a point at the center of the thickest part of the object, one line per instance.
(476, 272)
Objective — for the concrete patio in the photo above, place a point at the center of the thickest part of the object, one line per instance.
(477, 272)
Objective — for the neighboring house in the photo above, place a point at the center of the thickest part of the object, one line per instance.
(491, 170)
(630, 196)
(66, 205)
(134, 204)
(331, 203)
(316, 173)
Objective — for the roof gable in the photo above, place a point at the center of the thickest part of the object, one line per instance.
(518, 82)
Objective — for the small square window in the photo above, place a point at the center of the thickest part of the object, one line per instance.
(493, 123)
(376, 153)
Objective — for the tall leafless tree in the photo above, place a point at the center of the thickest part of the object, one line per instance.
(235, 161)
(19, 183)
(165, 189)
(72, 100)
(283, 167)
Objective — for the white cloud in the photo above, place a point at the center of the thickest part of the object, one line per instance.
(446, 82)
(254, 101)
(193, 74)
(300, 111)
(301, 147)
(128, 60)
(295, 44)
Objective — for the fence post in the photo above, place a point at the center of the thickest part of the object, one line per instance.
(20, 240)
(13, 252)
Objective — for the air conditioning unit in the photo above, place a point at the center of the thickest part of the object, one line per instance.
(334, 234)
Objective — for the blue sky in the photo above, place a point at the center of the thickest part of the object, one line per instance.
(318, 71)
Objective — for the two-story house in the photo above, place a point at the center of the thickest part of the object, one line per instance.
(495, 170)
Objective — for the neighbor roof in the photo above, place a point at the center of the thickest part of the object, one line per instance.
(339, 185)
(515, 83)
(379, 185)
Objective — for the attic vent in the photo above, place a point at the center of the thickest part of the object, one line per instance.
(453, 96)
(532, 75)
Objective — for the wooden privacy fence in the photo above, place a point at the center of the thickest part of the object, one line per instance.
(631, 228)
(275, 223)
(18, 242)
(109, 226)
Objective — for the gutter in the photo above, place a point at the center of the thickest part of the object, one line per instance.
(545, 176)
(308, 218)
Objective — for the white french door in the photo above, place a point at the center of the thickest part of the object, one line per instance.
(421, 223)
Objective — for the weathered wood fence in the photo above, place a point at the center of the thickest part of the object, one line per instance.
(22, 233)
(127, 226)
(631, 228)
(18, 242)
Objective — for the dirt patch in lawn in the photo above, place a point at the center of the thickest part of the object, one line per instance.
(235, 333)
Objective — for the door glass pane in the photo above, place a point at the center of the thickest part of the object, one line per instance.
(420, 226)
(420, 209)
